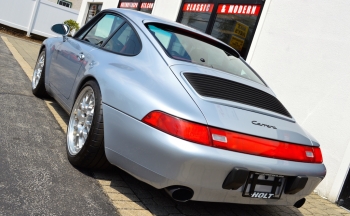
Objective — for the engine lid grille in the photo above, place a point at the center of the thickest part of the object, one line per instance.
(215, 87)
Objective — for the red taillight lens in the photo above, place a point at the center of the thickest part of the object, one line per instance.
(265, 147)
(178, 127)
(232, 141)
(318, 155)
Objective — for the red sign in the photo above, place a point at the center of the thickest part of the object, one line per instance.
(239, 9)
(129, 4)
(198, 7)
(147, 5)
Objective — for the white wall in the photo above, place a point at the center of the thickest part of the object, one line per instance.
(12, 15)
(301, 49)
(48, 14)
(36, 16)
(167, 9)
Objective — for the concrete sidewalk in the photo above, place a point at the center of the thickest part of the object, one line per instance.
(132, 197)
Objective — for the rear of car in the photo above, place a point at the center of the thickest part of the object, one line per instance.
(249, 149)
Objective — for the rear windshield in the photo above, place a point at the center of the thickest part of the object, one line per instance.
(187, 48)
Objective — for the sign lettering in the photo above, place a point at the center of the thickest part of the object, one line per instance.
(198, 7)
(129, 4)
(147, 5)
(236, 43)
(252, 10)
(241, 30)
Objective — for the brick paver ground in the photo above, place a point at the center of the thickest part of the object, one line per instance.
(133, 197)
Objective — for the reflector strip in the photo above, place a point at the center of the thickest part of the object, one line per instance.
(219, 138)
(309, 154)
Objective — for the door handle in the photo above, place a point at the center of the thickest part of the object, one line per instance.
(81, 56)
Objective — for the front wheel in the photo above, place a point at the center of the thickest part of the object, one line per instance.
(38, 79)
(85, 139)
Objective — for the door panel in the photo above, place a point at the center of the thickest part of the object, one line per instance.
(67, 64)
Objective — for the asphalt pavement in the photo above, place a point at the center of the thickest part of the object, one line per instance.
(36, 178)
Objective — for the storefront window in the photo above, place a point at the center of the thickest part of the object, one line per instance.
(197, 15)
(146, 6)
(93, 10)
(227, 20)
(235, 25)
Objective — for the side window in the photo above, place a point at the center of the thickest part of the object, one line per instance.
(125, 41)
(102, 29)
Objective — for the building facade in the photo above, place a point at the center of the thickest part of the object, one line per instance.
(300, 48)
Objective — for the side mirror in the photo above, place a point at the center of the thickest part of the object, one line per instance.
(61, 29)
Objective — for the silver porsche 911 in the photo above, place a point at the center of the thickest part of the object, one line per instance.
(177, 109)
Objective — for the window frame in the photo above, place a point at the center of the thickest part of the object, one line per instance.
(84, 33)
(81, 33)
(115, 32)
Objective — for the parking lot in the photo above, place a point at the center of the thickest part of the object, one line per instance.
(37, 179)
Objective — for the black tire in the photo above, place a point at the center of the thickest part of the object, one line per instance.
(92, 154)
(39, 88)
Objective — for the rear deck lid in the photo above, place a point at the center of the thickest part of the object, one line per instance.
(237, 104)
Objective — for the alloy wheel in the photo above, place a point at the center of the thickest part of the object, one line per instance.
(38, 70)
(80, 120)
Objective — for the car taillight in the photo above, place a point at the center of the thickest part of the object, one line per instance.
(183, 129)
(232, 141)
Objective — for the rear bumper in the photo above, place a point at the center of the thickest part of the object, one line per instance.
(162, 160)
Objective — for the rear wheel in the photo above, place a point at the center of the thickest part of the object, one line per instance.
(85, 139)
(38, 79)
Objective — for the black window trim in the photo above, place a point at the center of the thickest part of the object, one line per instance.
(83, 34)
(108, 50)
(87, 27)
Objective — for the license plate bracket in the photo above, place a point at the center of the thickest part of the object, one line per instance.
(264, 186)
